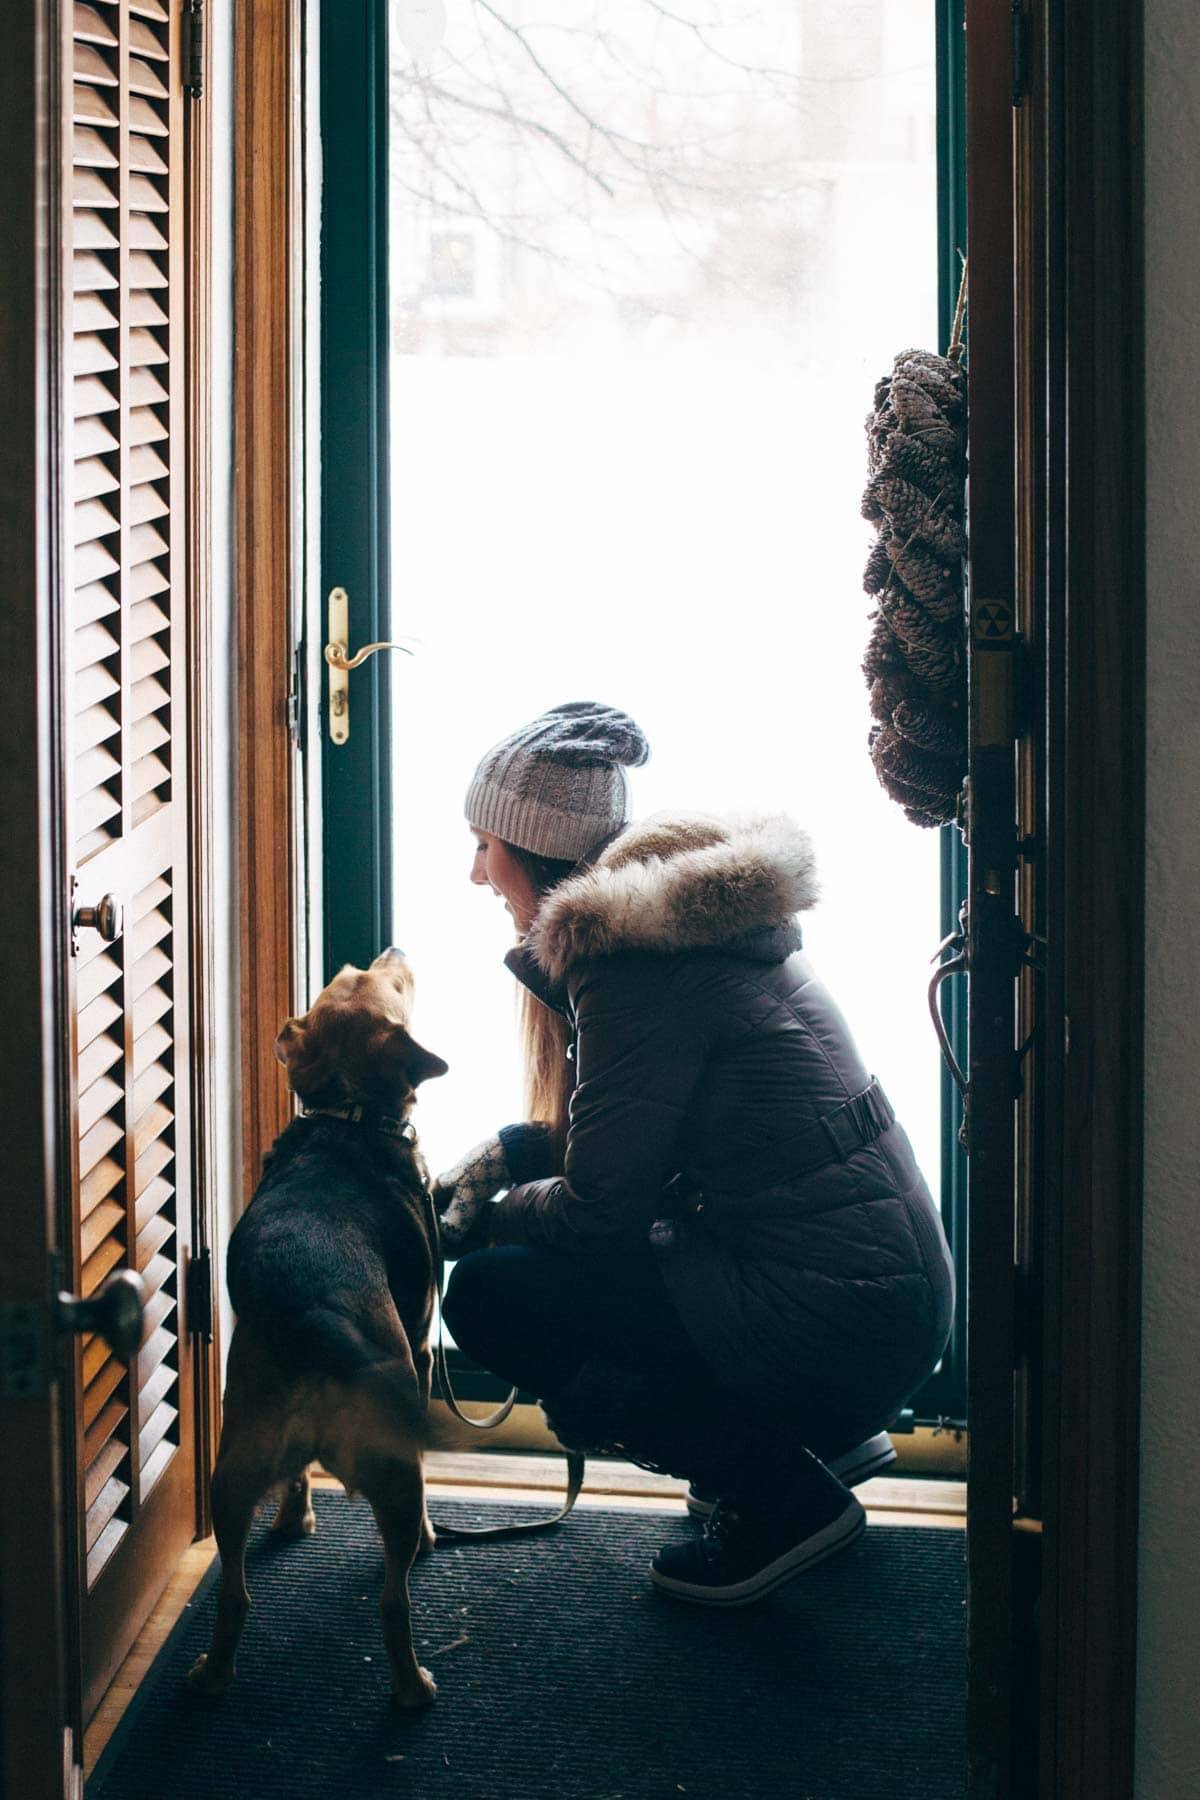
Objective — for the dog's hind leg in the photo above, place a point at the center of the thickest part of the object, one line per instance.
(395, 1491)
(295, 1517)
(237, 1486)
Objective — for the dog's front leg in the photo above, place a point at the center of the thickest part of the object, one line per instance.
(396, 1496)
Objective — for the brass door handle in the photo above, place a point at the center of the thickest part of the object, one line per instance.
(340, 661)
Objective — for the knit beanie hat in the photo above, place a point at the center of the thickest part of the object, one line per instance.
(557, 786)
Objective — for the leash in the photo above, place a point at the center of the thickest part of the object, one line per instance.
(575, 1459)
(402, 1128)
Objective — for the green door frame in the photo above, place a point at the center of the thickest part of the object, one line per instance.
(355, 499)
(355, 553)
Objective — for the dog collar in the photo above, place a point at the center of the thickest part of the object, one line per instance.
(364, 1115)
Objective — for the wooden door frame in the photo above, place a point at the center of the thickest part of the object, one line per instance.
(268, 527)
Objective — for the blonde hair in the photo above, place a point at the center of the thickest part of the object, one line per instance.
(545, 1033)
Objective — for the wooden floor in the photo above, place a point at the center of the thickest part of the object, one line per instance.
(889, 1500)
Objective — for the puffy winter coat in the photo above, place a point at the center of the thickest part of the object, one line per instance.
(807, 1260)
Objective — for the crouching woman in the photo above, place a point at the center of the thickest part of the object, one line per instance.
(714, 1252)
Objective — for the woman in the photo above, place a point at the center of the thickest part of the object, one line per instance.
(715, 1251)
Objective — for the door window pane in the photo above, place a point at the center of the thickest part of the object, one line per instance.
(647, 265)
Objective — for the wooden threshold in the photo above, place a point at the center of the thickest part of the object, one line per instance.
(889, 1500)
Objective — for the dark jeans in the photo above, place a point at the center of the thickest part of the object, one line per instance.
(535, 1316)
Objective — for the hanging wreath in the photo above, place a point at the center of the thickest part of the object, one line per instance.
(916, 658)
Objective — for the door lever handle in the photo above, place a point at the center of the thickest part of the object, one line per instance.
(340, 661)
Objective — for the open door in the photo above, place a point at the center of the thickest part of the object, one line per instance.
(101, 809)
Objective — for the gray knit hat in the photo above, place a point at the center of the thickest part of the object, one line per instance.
(557, 786)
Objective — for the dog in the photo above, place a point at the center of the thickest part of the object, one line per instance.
(331, 1275)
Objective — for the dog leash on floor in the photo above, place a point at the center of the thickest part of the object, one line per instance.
(575, 1460)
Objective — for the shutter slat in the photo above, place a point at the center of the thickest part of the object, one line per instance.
(157, 1194)
(152, 895)
(144, 309)
(155, 1430)
(95, 1018)
(90, 27)
(97, 1143)
(104, 1509)
(108, 1461)
(96, 980)
(97, 1059)
(146, 157)
(92, 107)
(93, 644)
(150, 1087)
(106, 1544)
(145, 388)
(145, 196)
(92, 150)
(93, 437)
(93, 231)
(92, 768)
(91, 396)
(146, 618)
(149, 9)
(151, 1240)
(105, 1219)
(145, 348)
(98, 1099)
(146, 503)
(93, 478)
(95, 725)
(147, 658)
(145, 42)
(93, 520)
(149, 1008)
(145, 543)
(102, 1181)
(147, 697)
(145, 427)
(102, 1430)
(144, 234)
(100, 1390)
(145, 464)
(92, 65)
(90, 189)
(93, 314)
(144, 272)
(143, 79)
(91, 273)
(146, 580)
(144, 118)
(92, 563)
(148, 735)
(90, 355)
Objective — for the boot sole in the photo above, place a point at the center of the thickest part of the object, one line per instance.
(838, 1535)
(856, 1466)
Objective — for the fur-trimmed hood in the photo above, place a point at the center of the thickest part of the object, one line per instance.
(678, 882)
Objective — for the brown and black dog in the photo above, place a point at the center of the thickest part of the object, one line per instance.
(331, 1276)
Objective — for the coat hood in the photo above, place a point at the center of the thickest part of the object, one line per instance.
(678, 882)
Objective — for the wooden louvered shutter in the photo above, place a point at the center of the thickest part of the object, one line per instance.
(127, 802)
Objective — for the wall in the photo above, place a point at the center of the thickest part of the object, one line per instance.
(1168, 1744)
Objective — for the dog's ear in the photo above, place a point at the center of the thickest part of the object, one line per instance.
(290, 1041)
(418, 1063)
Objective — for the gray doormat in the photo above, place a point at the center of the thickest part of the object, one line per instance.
(562, 1673)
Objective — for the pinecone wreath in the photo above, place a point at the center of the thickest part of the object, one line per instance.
(916, 659)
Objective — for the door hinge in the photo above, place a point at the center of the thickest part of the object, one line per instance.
(200, 1296)
(295, 700)
(193, 49)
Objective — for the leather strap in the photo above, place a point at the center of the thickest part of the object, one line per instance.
(575, 1460)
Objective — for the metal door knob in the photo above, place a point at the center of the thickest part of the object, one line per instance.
(117, 1312)
(106, 917)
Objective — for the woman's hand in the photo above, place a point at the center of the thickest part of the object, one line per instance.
(461, 1197)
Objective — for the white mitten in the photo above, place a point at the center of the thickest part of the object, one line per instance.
(461, 1196)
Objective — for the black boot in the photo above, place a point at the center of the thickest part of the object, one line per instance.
(776, 1524)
